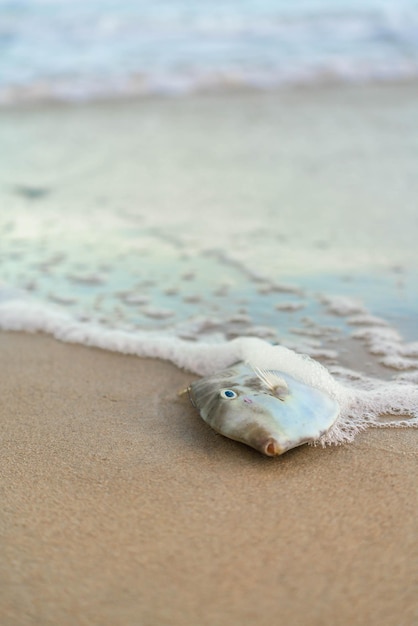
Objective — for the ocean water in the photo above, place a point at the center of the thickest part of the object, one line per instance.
(205, 228)
(204, 310)
(85, 49)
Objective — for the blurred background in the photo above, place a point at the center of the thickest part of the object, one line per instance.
(213, 169)
(83, 49)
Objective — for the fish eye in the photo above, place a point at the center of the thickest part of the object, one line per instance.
(228, 394)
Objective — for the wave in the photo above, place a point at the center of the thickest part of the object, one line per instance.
(51, 50)
(361, 407)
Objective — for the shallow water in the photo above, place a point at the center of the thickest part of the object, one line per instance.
(143, 282)
(289, 216)
(181, 229)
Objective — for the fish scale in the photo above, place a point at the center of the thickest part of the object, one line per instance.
(265, 409)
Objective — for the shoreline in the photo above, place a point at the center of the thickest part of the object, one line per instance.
(295, 180)
(320, 87)
(121, 506)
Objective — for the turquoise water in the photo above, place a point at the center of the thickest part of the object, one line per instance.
(192, 229)
(83, 49)
(287, 216)
(143, 282)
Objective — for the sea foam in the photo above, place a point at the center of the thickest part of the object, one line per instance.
(98, 49)
(368, 405)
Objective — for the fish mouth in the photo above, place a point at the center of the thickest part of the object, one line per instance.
(271, 447)
(261, 439)
(264, 440)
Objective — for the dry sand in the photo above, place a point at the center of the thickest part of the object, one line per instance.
(121, 507)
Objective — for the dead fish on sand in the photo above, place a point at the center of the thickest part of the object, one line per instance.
(263, 408)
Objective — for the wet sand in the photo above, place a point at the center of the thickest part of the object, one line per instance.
(294, 182)
(121, 507)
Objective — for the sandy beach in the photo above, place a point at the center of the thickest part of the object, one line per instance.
(183, 186)
(121, 507)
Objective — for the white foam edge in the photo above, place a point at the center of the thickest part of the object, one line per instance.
(343, 305)
(359, 408)
(386, 343)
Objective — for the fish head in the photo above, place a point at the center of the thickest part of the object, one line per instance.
(267, 410)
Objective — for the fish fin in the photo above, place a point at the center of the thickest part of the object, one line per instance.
(188, 391)
(272, 381)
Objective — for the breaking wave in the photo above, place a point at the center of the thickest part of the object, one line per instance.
(54, 50)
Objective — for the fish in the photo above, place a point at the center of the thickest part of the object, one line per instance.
(265, 409)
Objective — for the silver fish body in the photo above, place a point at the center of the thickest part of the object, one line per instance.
(265, 409)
